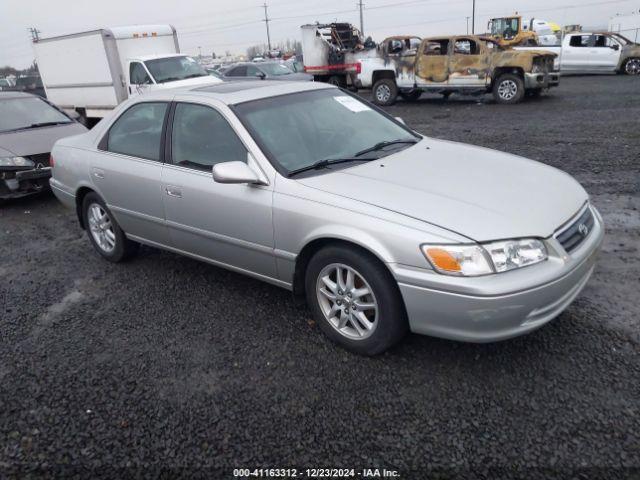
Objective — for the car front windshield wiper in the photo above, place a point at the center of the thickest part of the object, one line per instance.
(386, 143)
(169, 79)
(326, 163)
(35, 125)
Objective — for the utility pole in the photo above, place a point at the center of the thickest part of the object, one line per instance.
(266, 22)
(35, 34)
(468, 25)
(361, 6)
(473, 19)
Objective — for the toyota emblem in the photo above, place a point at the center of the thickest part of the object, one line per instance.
(583, 229)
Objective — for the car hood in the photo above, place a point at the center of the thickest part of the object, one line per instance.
(204, 80)
(476, 192)
(36, 140)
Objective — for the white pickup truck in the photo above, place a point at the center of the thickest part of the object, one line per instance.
(92, 72)
(601, 52)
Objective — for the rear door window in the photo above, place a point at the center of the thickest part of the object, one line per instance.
(138, 131)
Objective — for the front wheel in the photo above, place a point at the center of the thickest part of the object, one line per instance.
(385, 92)
(632, 66)
(355, 300)
(104, 232)
(508, 89)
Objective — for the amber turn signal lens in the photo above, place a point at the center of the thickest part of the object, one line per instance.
(443, 260)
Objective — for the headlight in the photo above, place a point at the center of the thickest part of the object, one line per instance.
(512, 254)
(15, 162)
(474, 260)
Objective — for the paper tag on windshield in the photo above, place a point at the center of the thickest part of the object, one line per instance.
(351, 103)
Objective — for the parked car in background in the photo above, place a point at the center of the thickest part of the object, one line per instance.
(92, 72)
(29, 126)
(263, 71)
(27, 84)
(5, 84)
(603, 52)
(214, 72)
(308, 187)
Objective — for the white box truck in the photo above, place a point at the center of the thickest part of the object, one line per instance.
(92, 72)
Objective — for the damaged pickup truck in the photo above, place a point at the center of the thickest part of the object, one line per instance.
(408, 65)
(465, 64)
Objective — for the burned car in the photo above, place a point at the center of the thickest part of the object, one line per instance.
(466, 64)
(407, 65)
(29, 126)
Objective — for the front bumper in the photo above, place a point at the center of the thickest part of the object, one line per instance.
(496, 307)
(535, 81)
(20, 183)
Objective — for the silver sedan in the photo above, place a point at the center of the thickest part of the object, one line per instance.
(312, 189)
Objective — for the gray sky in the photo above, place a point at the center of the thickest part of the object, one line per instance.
(219, 26)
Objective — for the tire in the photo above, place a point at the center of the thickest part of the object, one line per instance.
(411, 95)
(387, 320)
(632, 66)
(508, 89)
(446, 95)
(113, 246)
(385, 92)
(337, 81)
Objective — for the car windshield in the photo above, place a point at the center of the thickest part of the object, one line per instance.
(275, 69)
(170, 69)
(29, 112)
(309, 127)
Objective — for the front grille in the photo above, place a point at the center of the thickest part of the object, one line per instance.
(572, 236)
(40, 158)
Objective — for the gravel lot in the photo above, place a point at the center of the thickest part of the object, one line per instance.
(168, 365)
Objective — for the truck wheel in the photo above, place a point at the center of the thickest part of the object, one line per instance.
(385, 92)
(632, 66)
(337, 81)
(508, 89)
(411, 95)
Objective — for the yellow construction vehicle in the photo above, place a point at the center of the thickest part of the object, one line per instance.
(510, 32)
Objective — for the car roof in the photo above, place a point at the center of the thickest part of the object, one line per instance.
(232, 93)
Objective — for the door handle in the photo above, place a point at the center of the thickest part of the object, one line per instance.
(173, 191)
(98, 173)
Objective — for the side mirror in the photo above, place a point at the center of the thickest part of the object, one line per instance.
(234, 172)
(261, 75)
(616, 47)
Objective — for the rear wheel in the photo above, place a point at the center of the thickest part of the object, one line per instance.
(508, 89)
(355, 300)
(337, 81)
(385, 92)
(632, 66)
(104, 232)
(411, 95)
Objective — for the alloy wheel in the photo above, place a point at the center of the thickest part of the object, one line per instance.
(633, 66)
(507, 89)
(347, 301)
(101, 228)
